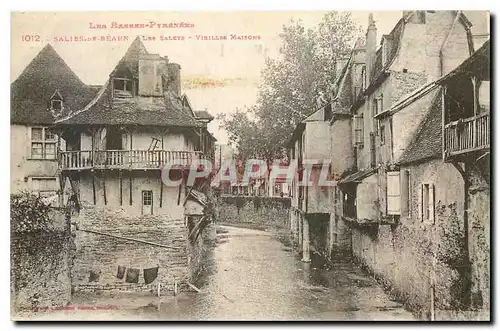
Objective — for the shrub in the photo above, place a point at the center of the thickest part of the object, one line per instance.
(28, 213)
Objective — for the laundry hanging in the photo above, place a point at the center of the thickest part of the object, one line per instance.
(150, 275)
(121, 272)
(132, 275)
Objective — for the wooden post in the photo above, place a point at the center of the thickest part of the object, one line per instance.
(179, 194)
(161, 192)
(130, 187)
(306, 253)
(175, 287)
(443, 119)
(475, 104)
(93, 187)
(301, 222)
(121, 186)
(104, 188)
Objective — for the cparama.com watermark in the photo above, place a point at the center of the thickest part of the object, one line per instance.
(309, 173)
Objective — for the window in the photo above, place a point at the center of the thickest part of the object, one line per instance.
(43, 144)
(44, 186)
(358, 130)
(56, 101)
(56, 105)
(363, 78)
(123, 87)
(393, 193)
(426, 202)
(382, 135)
(277, 189)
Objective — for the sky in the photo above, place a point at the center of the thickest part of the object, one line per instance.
(217, 75)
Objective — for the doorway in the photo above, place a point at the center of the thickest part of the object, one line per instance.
(147, 203)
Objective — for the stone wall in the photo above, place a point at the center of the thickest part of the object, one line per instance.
(421, 261)
(265, 211)
(98, 256)
(40, 266)
(479, 233)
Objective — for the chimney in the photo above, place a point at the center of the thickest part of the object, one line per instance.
(174, 75)
(406, 13)
(150, 69)
(371, 46)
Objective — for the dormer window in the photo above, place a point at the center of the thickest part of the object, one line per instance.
(56, 102)
(123, 88)
(56, 105)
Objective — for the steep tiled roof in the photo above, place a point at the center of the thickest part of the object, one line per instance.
(32, 90)
(166, 111)
(426, 142)
(158, 111)
(395, 38)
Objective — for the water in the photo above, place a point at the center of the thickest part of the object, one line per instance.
(253, 276)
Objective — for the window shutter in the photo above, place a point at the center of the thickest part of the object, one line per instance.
(358, 129)
(405, 176)
(420, 206)
(431, 203)
(393, 193)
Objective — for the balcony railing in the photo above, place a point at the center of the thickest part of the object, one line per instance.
(124, 159)
(467, 135)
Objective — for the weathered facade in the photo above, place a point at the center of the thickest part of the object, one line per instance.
(400, 207)
(45, 90)
(133, 231)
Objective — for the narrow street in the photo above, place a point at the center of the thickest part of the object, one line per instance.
(255, 277)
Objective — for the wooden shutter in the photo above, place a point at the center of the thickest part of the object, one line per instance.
(405, 179)
(393, 193)
(358, 129)
(373, 152)
(431, 203)
(420, 206)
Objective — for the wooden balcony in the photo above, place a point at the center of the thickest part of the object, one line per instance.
(467, 135)
(124, 159)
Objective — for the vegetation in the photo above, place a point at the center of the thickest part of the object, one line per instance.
(294, 85)
(28, 213)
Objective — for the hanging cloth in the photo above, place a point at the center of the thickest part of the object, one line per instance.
(132, 275)
(150, 275)
(121, 272)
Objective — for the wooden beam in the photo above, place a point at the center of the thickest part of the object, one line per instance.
(104, 188)
(130, 187)
(93, 187)
(179, 194)
(121, 186)
(443, 119)
(161, 193)
(131, 239)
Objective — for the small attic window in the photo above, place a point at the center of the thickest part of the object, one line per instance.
(56, 105)
(123, 87)
(56, 101)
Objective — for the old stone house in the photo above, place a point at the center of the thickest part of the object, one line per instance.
(390, 199)
(384, 132)
(130, 223)
(45, 90)
(466, 145)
